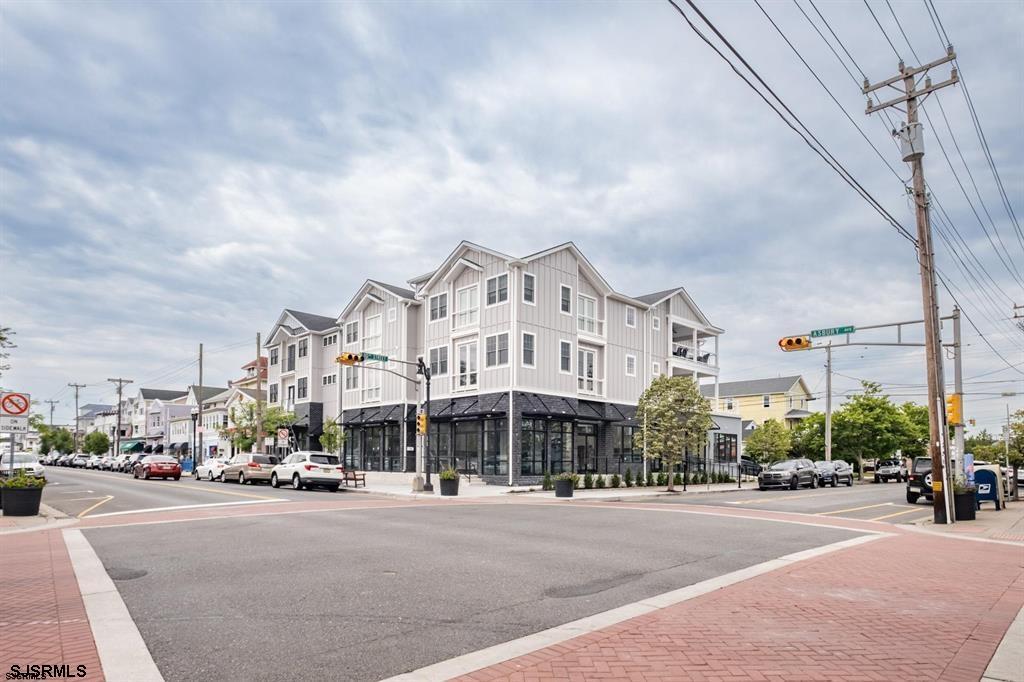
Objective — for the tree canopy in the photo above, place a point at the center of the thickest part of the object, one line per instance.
(770, 442)
(332, 437)
(674, 417)
(96, 443)
(60, 440)
(243, 418)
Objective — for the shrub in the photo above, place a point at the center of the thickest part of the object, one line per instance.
(615, 481)
(650, 478)
(599, 483)
(629, 478)
(640, 483)
(546, 484)
(449, 475)
(677, 479)
(663, 478)
(22, 480)
(569, 476)
(588, 481)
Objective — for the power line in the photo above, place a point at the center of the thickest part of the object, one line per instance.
(898, 57)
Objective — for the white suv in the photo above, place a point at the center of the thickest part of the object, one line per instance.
(308, 469)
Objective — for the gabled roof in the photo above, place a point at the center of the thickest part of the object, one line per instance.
(160, 394)
(207, 392)
(312, 322)
(401, 292)
(735, 389)
(456, 254)
(657, 297)
(90, 409)
(364, 290)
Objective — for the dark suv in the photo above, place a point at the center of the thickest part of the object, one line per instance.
(833, 473)
(919, 481)
(790, 473)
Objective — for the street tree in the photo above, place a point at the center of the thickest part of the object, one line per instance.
(332, 437)
(5, 345)
(60, 440)
(870, 426)
(674, 418)
(96, 443)
(915, 439)
(242, 432)
(769, 442)
(808, 437)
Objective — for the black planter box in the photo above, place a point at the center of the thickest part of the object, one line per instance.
(22, 501)
(449, 488)
(965, 506)
(563, 488)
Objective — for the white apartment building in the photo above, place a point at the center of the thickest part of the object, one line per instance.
(537, 366)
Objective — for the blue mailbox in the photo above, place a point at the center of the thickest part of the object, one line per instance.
(988, 487)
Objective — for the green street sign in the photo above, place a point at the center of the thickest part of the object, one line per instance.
(374, 356)
(833, 331)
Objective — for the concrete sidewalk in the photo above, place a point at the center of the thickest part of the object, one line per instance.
(1006, 524)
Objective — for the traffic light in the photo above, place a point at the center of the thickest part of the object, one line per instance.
(350, 358)
(954, 409)
(421, 423)
(972, 422)
(791, 343)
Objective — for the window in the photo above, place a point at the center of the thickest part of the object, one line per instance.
(726, 447)
(623, 447)
(528, 350)
(303, 389)
(497, 290)
(631, 365)
(352, 332)
(630, 316)
(466, 353)
(351, 378)
(371, 335)
(766, 401)
(330, 340)
(656, 369)
(291, 397)
(392, 314)
(495, 451)
(224, 421)
(587, 314)
(303, 347)
(273, 356)
(467, 301)
(585, 369)
(728, 404)
(529, 286)
(497, 350)
(329, 379)
(289, 365)
(439, 361)
(565, 356)
(438, 307)
(565, 301)
(656, 323)
(371, 384)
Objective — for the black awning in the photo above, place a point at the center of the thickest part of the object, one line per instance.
(159, 448)
(148, 448)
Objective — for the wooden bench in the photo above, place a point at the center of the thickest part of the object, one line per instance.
(355, 477)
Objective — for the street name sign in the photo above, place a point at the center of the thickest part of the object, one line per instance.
(833, 331)
(375, 356)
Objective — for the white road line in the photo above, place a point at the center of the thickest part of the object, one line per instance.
(467, 663)
(123, 653)
(186, 506)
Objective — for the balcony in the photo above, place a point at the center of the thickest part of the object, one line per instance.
(589, 326)
(682, 351)
(594, 387)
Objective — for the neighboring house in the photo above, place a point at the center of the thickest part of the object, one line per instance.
(159, 418)
(140, 410)
(214, 418)
(537, 367)
(252, 372)
(784, 399)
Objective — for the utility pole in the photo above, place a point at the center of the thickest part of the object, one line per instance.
(828, 403)
(117, 434)
(912, 141)
(76, 387)
(259, 398)
(958, 388)
(52, 403)
(196, 456)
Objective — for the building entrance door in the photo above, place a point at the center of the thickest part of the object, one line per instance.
(586, 448)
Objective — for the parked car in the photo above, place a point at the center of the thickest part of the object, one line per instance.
(790, 473)
(157, 466)
(79, 461)
(248, 467)
(128, 465)
(919, 482)
(211, 469)
(889, 469)
(23, 461)
(64, 460)
(93, 462)
(308, 469)
(49, 458)
(107, 462)
(749, 467)
(833, 473)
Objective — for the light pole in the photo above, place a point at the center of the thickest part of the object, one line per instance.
(195, 418)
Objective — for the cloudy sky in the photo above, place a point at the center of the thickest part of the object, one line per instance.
(177, 172)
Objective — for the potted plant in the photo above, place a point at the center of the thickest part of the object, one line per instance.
(22, 494)
(565, 483)
(965, 503)
(449, 482)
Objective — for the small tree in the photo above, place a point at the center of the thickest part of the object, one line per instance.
(674, 417)
(769, 442)
(96, 443)
(332, 437)
(60, 440)
(243, 417)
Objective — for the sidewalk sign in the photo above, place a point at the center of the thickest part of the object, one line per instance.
(14, 417)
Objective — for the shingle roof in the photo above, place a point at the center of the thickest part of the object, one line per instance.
(208, 392)
(253, 393)
(316, 323)
(93, 408)
(397, 291)
(160, 394)
(732, 389)
(651, 299)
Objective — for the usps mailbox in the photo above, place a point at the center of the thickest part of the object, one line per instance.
(988, 487)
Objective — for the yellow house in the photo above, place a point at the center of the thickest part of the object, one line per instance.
(784, 399)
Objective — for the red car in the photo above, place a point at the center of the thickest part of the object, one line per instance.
(157, 466)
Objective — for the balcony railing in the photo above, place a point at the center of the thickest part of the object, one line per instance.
(590, 386)
(589, 325)
(686, 352)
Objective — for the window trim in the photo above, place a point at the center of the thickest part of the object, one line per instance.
(562, 287)
(392, 314)
(656, 370)
(303, 345)
(455, 319)
(351, 371)
(380, 334)
(497, 351)
(533, 288)
(656, 323)
(766, 400)
(580, 318)
(628, 309)
(430, 307)
(355, 324)
(729, 405)
(496, 301)
(560, 344)
(457, 374)
(430, 362)
(302, 389)
(533, 350)
(630, 356)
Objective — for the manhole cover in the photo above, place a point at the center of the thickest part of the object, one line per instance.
(126, 573)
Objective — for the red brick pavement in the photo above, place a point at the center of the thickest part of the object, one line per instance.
(42, 617)
(910, 607)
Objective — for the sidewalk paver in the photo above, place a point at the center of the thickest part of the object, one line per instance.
(831, 618)
(42, 616)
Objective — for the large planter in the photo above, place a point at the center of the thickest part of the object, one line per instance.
(22, 501)
(563, 488)
(965, 506)
(449, 487)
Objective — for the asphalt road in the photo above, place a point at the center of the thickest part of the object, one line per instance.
(365, 594)
(868, 501)
(81, 492)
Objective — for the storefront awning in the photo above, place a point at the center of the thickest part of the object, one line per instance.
(131, 446)
(148, 448)
(158, 449)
